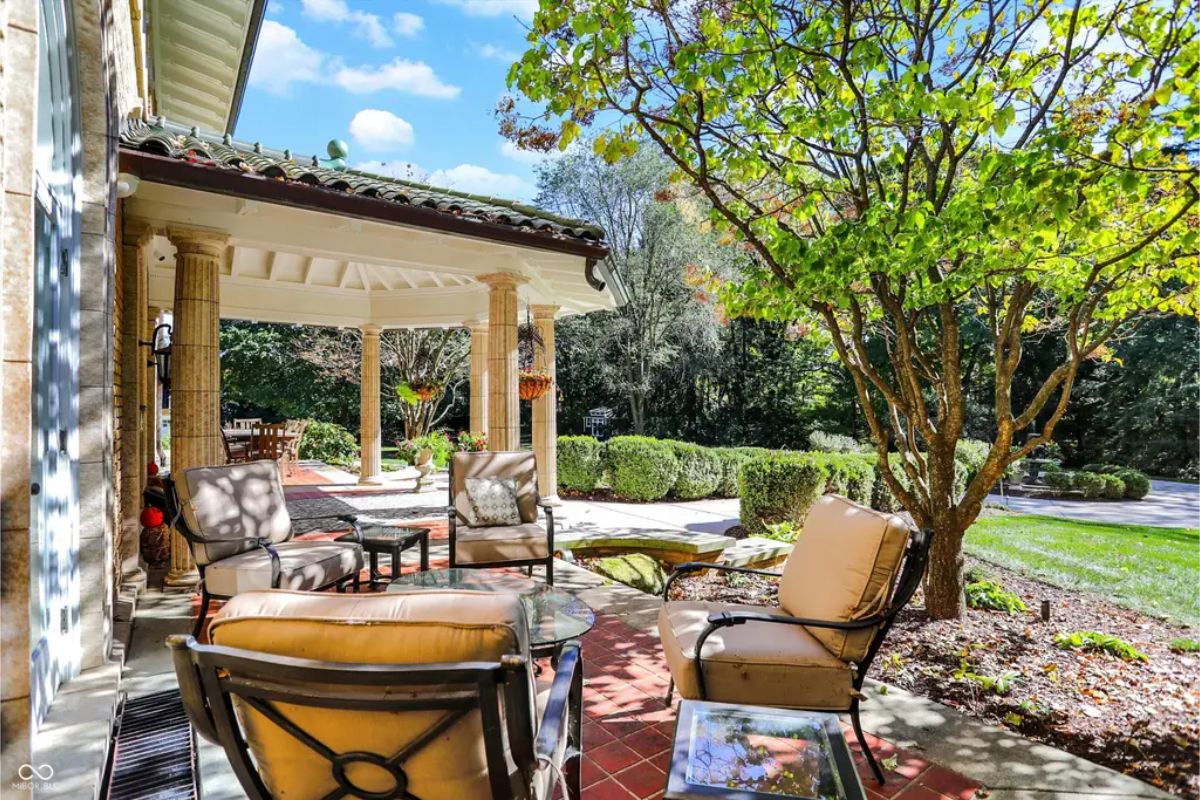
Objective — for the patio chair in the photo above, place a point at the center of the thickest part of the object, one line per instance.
(269, 441)
(246, 423)
(427, 695)
(294, 432)
(235, 452)
(850, 571)
(236, 523)
(521, 541)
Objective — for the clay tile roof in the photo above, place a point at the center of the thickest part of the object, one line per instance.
(218, 151)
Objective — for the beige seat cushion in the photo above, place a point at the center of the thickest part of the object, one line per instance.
(758, 663)
(525, 542)
(234, 501)
(304, 565)
(519, 465)
(432, 627)
(843, 567)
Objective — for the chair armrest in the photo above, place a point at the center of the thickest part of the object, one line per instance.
(190, 688)
(696, 566)
(557, 719)
(722, 619)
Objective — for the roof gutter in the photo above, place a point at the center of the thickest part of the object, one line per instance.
(175, 172)
(257, 13)
(609, 278)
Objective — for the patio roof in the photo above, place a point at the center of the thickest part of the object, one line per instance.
(313, 242)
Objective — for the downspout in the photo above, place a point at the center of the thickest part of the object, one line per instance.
(608, 278)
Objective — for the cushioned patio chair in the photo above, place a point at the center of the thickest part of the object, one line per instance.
(236, 523)
(850, 571)
(427, 695)
(520, 541)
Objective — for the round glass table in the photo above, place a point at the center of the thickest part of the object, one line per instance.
(554, 615)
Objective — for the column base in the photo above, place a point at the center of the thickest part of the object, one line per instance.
(370, 480)
(552, 500)
(181, 581)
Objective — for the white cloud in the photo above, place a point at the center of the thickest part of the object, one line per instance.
(280, 59)
(531, 157)
(368, 26)
(401, 75)
(376, 129)
(407, 24)
(275, 8)
(495, 8)
(498, 53)
(480, 180)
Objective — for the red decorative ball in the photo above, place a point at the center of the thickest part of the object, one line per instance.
(152, 469)
(151, 517)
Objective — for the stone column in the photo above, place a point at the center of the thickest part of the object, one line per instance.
(504, 420)
(134, 355)
(545, 408)
(479, 377)
(368, 409)
(195, 369)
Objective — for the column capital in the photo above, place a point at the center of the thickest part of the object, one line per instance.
(544, 311)
(502, 280)
(198, 241)
(370, 329)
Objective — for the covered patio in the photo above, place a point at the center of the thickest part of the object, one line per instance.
(221, 229)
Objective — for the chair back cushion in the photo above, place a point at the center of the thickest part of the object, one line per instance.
(520, 465)
(842, 568)
(430, 627)
(233, 502)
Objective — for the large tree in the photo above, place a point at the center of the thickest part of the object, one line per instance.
(900, 167)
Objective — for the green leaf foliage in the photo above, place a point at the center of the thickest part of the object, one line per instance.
(776, 488)
(580, 463)
(1100, 643)
(328, 442)
(640, 468)
(700, 471)
(991, 595)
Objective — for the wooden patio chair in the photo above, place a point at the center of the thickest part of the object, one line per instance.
(851, 570)
(269, 441)
(520, 542)
(235, 452)
(294, 431)
(246, 423)
(427, 695)
(236, 523)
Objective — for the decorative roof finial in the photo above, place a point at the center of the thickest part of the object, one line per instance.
(338, 151)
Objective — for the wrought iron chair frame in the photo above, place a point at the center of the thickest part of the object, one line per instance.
(530, 563)
(174, 512)
(210, 675)
(912, 570)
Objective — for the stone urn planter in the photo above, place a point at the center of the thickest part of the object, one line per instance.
(423, 461)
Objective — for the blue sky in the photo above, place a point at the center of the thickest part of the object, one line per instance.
(409, 84)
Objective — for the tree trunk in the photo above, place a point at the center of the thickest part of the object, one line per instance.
(944, 597)
(637, 413)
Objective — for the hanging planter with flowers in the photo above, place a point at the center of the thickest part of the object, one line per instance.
(421, 390)
(534, 384)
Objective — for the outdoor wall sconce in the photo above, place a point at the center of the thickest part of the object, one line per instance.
(160, 349)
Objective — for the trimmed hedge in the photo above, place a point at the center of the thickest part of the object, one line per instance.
(580, 463)
(849, 474)
(1114, 487)
(700, 471)
(1090, 483)
(1137, 484)
(780, 487)
(1060, 480)
(640, 468)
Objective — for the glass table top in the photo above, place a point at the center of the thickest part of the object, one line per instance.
(379, 530)
(554, 615)
(758, 753)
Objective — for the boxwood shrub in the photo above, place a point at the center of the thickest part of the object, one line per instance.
(1060, 480)
(1114, 487)
(777, 488)
(640, 468)
(328, 442)
(580, 463)
(1137, 485)
(849, 474)
(699, 471)
(731, 459)
(1090, 483)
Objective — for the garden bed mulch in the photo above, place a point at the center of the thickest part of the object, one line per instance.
(1140, 718)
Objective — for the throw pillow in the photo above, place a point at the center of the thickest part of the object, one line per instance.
(494, 501)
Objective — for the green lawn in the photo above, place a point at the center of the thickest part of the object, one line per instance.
(1156, 570)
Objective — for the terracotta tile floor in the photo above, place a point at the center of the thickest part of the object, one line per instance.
(627, 731)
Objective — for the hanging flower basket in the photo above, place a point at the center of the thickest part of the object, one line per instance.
(534, 384)
(425, 391)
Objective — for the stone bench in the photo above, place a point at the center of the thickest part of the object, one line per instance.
(757, 552)
(665, 545)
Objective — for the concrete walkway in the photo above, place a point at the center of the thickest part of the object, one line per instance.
(1170, 504)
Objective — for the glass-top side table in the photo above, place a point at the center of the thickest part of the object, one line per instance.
(554, 615)
(390, 540)
(759, 753)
